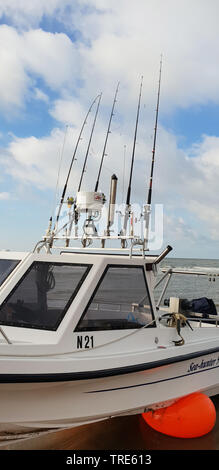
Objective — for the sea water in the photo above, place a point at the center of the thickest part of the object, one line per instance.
(189, 286)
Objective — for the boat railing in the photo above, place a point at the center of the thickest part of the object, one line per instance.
(193, 317)
(212, 319)
(168, 273)
(135, 307)
(190, 316)
(132, 244)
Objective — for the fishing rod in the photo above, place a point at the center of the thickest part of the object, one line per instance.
(128, 197)
(149, 197)
(133, 151)
(48, 231)
(72, 161)
(76, 214)
(105, 143)
(89, 143)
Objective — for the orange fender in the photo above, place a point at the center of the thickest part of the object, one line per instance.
(191, 416)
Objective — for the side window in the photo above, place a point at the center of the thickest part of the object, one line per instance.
(6, 267)
(121, 301)
(44, 294)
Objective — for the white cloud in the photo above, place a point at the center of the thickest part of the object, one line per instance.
(202, 193)
(34, 161)
(40, 95)
(116, 41)
(188, 192)
(26, 13)
(4, 196)
(14, 81)
(68, 111)
(125, 39)
(51, 56)
(30, 55)
(177, 229)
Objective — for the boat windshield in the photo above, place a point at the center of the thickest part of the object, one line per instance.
(6, 267)
(43, 295)
(120, 301)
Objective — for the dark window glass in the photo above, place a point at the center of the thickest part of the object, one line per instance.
(121, 301)
(42, 297)
(6, 267)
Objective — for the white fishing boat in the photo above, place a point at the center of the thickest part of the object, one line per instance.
(81, 338)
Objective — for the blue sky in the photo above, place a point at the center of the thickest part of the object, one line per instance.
(192, 123)
(56, 56)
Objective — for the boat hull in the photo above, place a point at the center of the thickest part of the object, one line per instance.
(68, 403)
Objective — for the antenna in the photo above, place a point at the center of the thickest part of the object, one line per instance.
(147, 208)
(107, 135)
(89, 143)
(72, 161)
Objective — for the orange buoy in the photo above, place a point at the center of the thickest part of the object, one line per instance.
(191, 416)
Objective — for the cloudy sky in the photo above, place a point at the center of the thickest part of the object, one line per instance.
(56, 56)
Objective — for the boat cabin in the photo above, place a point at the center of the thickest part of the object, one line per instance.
(84, 292)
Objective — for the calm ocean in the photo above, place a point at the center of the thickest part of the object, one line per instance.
(192, 286)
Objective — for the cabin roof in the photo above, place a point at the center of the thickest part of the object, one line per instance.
(76, 254)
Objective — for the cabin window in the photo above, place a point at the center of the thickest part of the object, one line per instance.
(120, 301)
(6, 267)
(43, 295)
